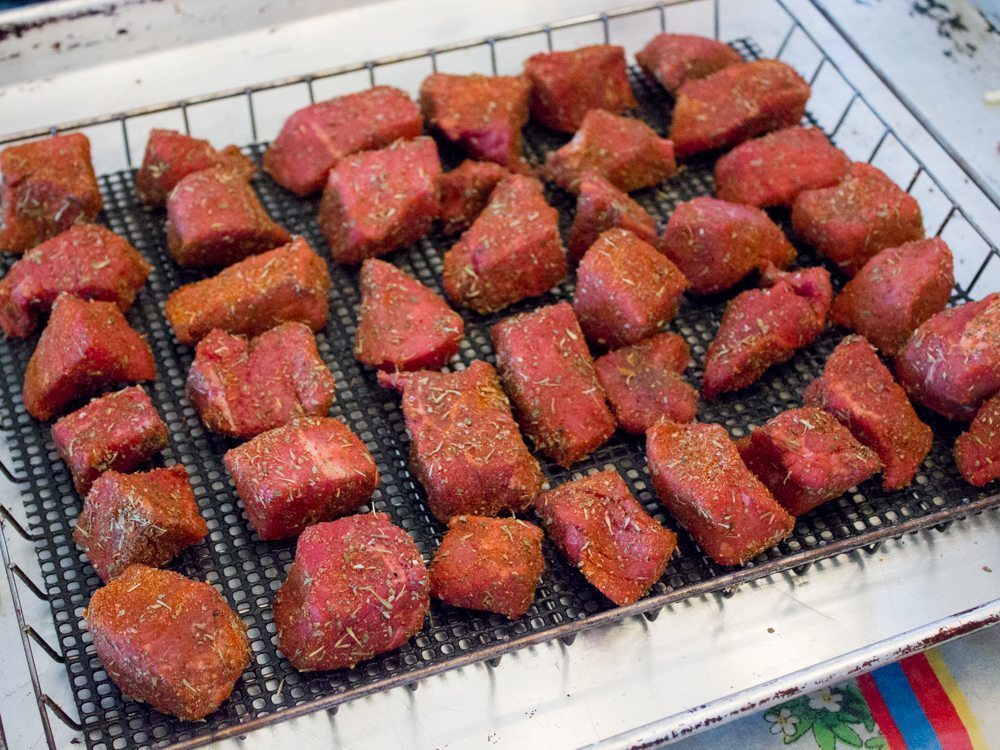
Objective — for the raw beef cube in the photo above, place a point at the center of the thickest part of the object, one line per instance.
(951, 363)
(699, 476)
(625, 151)
(492, 564)
(171, 156)
(464, 192)
(358, 587)
(977, 451)
(402, 324)
(46, 187)
(567, 85)
(547, 371)
(625, 290)
(850, 222)
(119, 431)
(643, 383)
(138, 519)
(168, 641)
(857, 389)
(895, 292)
(87, 261)
(314, 139)
(309, 470)
(675, 59)
(511, 252)
(736, 103)
(716, 244)
(241, 388)
(601, 206)
(289, 283)
(86, 347)
(806, 457)
(772, 170)
(604, 532)
(764, 327)
(465, 448)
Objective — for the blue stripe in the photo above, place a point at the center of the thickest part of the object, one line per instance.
(905, 709)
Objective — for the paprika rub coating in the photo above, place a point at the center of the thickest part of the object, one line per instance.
(977, 450)
(601, 206)
(675, 59)
(464, 192)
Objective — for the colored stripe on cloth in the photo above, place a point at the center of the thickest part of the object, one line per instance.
(905, 708)
(958, 700)
(936, 704)
(880, 712)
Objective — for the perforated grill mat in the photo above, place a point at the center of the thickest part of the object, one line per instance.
(248, 571)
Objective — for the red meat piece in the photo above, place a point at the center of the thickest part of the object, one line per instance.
(675, 59)
(309, 470)
(857, 389)
(716, 244)
(699, 476)
(357, 588)
(511, 252)
(850, 222)
(146, 519)
(465, 448)
(604, 532)
(289, 283)
(314, 139)
(86, 261)
(977, 451)
(119, 431)
(737, 103)
(46, 187)
(168, 641)
(464, 192)
(546, 369)
(492, 564)
(623, 150)
(601, 206)
(895, 292)
(625, 290)
(241, 388)
(377, 201)
(403, 325)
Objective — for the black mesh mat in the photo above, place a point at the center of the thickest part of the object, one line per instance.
(248, 571)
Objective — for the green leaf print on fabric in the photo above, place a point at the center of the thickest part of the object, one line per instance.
(832, 718)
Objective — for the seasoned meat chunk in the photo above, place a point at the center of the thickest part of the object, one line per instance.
(977, 451)
(465, 448)
(675, 59)
(464, 192)
(601, 206)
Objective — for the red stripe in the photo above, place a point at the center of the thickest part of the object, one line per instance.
(880, 712)
(937, 705)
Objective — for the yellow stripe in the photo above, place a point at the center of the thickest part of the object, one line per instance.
(957, 699)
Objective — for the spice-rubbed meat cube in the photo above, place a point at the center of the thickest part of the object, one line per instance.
(465, 448)
(511, 252)
(643, 382)
(289, 283)
(736, 103)
(118, 431)
(951, 363)
(171, 156)
(377, 201)
(312, 469)
(402, 324)
(601, 206)
(566, 85)
(625, 290)
(87, 261)
(806, 457)
(316, 137)
(716, 244)
(138, 519)
(358, 587)
(604, 532)
(851, 221)
(464, 192)
(492, 564)
(857, 389)
(547, 371)
(977, 451)
(895, 292)
(168, 641)
(625, 151)
(675, 59)
(241, 388)
(46, 187)
(86, 347)
(699, 476)
(774, 169)
(764, 327)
